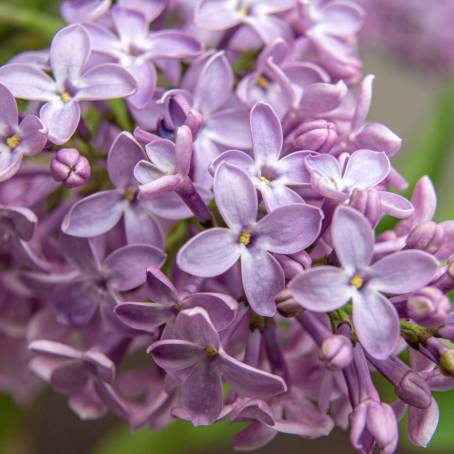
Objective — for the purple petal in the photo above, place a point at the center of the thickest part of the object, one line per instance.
(161, 152)
(126, 267)
(345, 19)
(70, 378)
(326, 176)
(80, 253)
(33, 135)
(236, 122)
(9, 164)
(83, 10)
(142, 227)
(271, 7)
(173, 44)
(9, 115)
(69, 52)
(106, 81)
(322, 289)
(144, 316)
(54, 349)
(292, 168)
(175, 355)
(24, 221)
(160, 288)
(366, 168)
(248, 381)
(269, 28)
(363, 102)
(131, 25)
(28, 82)
(94, 215)
(376, 323)
(212, 15)
(194, 325)
(277, 195)
(123, 156)
(403, 272)
(201, 394)
(254, 436)
(61, 119)
(290, 229)
(234, 157)
(396, 205)
(221, 308)
(235, 196)
(266, 132)
(151, 9)
(353, 238)
(321, 97)
(422, 424)
(145, 172)
(263, 279)
(214, 86)
(145, 76)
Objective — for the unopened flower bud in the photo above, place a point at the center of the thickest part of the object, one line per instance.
(429, 307)
(70, 168)
(317, 135)
(336, 351)
(368, 203)
(446, 362)
(426, 237)
(414, 390)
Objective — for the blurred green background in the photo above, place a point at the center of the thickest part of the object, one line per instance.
(417, 106)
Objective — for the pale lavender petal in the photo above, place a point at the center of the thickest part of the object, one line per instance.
(376, 323)
(146, 78)
(123, 156)
(396, 205)
(263, 279)
(292, 168)
(248, 381)
(366, 168)
(342, 19)
(126, 267)
(173, 44)
(61, 119)
(142, 227)
(402, 272)
(271, 7)
(70, 378)
(131, 26)
(9, 164)
(94, 215)
(28, 82)
(363, 102)
(322, 289)
(33, 135)
(214, 85)
(201, 394)
(233, 120)
(321, 97)
(145, 172)
(80, 253)
(69, 52)
(422, 424)
(194, 325)
(254, 436)
(235, 196)
(266, 132)
(106, 81)
(289, 229)
(269, 28)
(23, 220)
(151, 8)
(54, 349)
(161, 152)
(175, 355)
(158, 187)
(236, 158)
(144, 316)
(277, 195)
(353, 238)
(212, 15)
(326, 176)
(78, 11)
(9, 115)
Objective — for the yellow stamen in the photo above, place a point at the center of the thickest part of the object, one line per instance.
(243, 11)
(357, 281)
(129, 194)
(262, 81)
(265, 180)
(13, 141)
(65, 97)
(245, 238)
(210, 351)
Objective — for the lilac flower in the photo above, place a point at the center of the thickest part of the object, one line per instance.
(167, 302)
(328, 288)
(74, 82)
(136, 49)
(74, 11)
(257, 14)
(286, 230)
(208, 88)
(17, 139)
(197, 360)
(100, 212)
(271, 174)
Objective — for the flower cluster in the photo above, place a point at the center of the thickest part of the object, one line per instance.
(224, 256)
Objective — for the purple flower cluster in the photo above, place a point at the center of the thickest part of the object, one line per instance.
(220, 259)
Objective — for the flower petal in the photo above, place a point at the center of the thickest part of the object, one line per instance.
(175, 355)
(33, 135)
(396, 205)
(263, 279)
(194, 325)
(248, 381)
(403, 272)
(376, 323)
(212, 15)
(142, 227)
(353, 238)
(235, 196)
(277, 195)
(322, 289)
(94, 215)
(266, 132)
(144, 316)
(422, 424)
(61, 119)
(173, 44)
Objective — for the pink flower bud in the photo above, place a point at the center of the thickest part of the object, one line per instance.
(70, 168)
(336, 351)
(426, 237)
(317, 135)
(429, 307)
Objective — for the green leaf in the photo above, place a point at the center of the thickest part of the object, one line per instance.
(179, 438)
(120, 114)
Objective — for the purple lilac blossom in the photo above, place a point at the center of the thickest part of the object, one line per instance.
(234, 232)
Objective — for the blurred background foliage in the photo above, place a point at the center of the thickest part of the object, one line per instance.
(418, 106)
